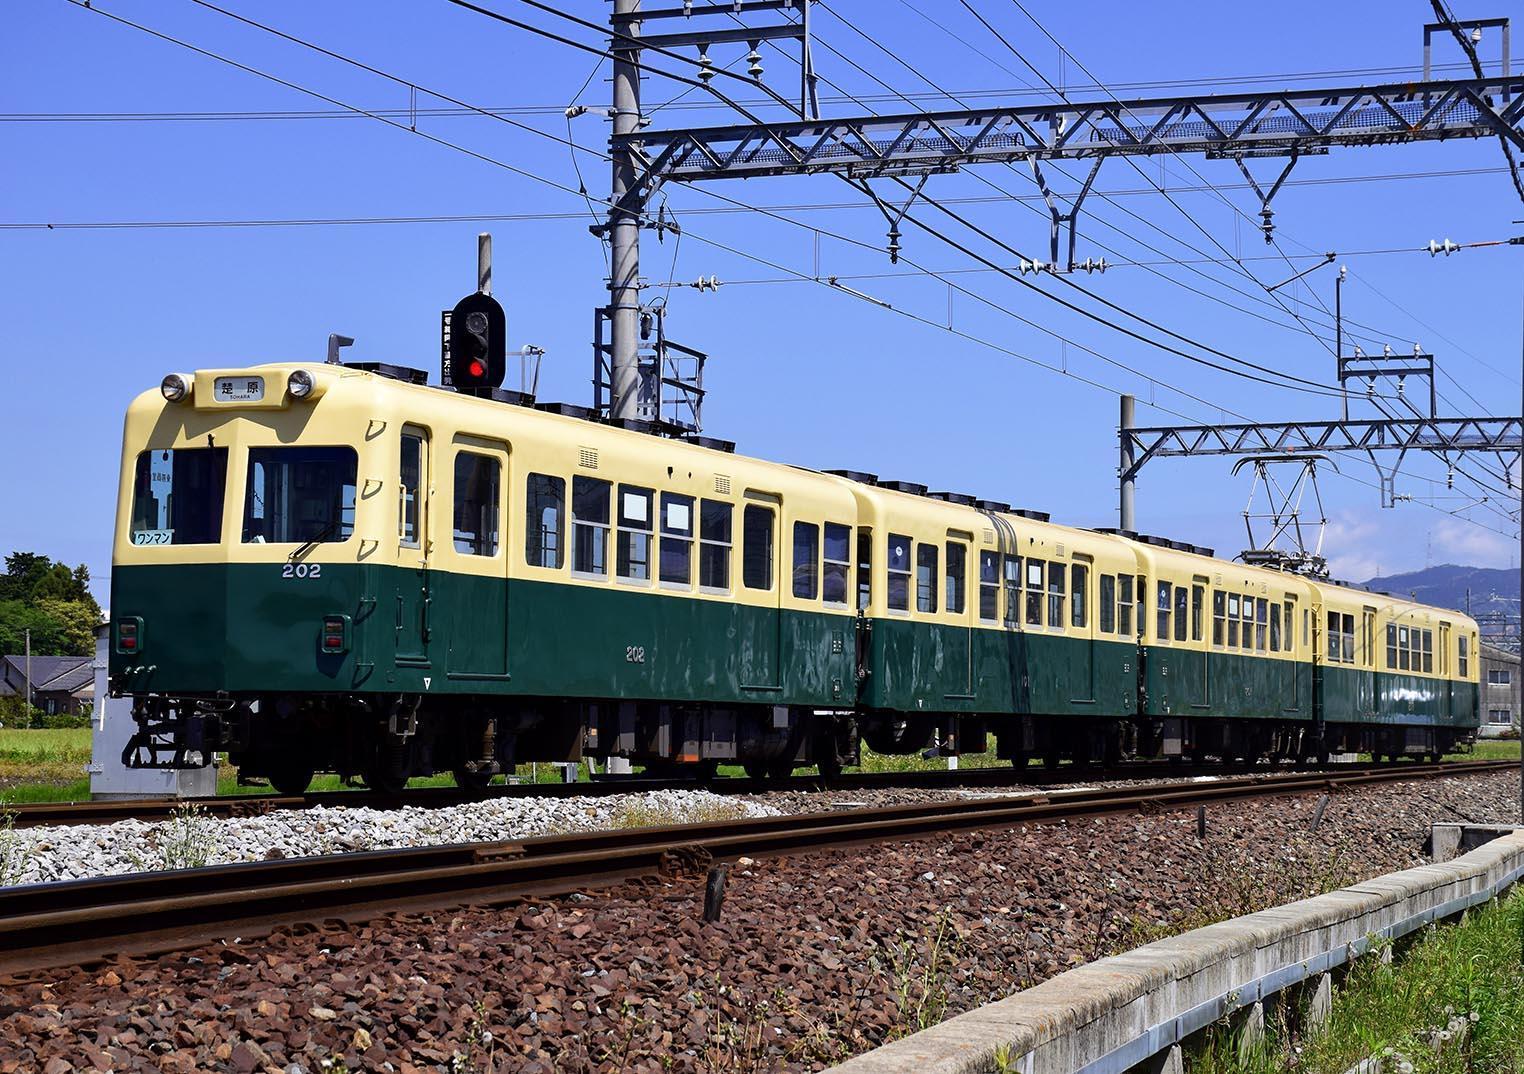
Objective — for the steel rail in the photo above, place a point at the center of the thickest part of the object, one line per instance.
(39, 814)
(72, 922)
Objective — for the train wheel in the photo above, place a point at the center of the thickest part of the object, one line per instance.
(386, 771)
(829, 769)
(756, 770)
(780, 770)
(291, 778)
(470, 780)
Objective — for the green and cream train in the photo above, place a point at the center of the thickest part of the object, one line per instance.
(342, 568)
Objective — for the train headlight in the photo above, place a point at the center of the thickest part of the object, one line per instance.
(300, 384)
(176, 388)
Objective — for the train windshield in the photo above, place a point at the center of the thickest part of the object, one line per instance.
(177, 496)
(299, 494)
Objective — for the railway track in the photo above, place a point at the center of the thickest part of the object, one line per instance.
(68, 923)
(29, 815)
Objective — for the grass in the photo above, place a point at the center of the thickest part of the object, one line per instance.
(1453, 1003)
(1489, 749)
(27, 747)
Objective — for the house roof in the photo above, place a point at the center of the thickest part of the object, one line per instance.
(44, 669)
(74, 680)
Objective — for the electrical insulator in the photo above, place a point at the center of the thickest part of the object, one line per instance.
(1401, 381)
(706, 65)
(1417, 350)
(754, 59)
(894, 244)
(702, 284)
(1386, 350)
(1093, 265)
(645, 326)
(1450, 477)
(1370, 388)
(1447, 248)
(1358, 352)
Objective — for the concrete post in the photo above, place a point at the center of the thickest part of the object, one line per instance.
(624, 224)
(1320, 1004)
(484, 262)
(1127, 522)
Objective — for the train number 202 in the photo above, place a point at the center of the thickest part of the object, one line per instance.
(635, 654)
(302, 570)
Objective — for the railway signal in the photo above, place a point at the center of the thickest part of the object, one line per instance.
(473, 339)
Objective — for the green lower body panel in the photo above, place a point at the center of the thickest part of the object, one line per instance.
(1188, 682)
(1356, 695)
(915, 666)
(251, 629)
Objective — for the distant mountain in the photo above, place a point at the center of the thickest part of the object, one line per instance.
(1446, 586)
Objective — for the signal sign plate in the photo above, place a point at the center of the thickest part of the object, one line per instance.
(239, 389)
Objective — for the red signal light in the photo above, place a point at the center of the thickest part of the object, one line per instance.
(475, 369)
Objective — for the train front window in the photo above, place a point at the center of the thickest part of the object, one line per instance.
(177, 496)
(297, 495)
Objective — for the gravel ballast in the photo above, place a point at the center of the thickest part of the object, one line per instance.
(816, 957)
(77, 851)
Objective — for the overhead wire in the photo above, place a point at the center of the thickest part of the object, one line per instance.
(569, 190)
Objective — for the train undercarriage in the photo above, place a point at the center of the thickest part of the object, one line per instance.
(385, 740)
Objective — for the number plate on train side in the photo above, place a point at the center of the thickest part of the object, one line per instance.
(240, 389)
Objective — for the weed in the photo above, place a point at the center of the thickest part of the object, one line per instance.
(188, 839)
(647, 813)
(16, 850)
(922, 975)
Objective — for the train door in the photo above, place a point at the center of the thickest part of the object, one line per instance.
(1201, 682)
(476, 607)
(1446, 684)
(1297, 693)
(759, 632)
(958, 647)
(413, 547)
(1365, 698)
(1082, 630)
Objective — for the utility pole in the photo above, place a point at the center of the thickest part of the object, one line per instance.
(1128, 471)
(27, 632)
(625, 211)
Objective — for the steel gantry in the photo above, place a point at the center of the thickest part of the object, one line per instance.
(1288, 124)
(1501, 436)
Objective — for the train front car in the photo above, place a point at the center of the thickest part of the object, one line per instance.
(244, 527)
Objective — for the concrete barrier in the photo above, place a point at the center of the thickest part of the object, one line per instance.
(1134, 1010)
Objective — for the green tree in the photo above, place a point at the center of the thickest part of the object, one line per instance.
(51, 601)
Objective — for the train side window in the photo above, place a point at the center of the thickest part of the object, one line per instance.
(1198, 612)
(1124, 605)
(1107, 604)
(633, 550)
(1011, 565)
(1391, 646)
(864, 568)
(898, 562)
(676, 567)
(1331, 642)
(1261, 623)
(590, 526)
(1079, 595)
(1182, 598)
(544, 520)
(957, 576)
(1404, 649)
(1232, 620)
(1056, 595)
(1428, 651)
(1219, 617)
(836, 579)
(1290, 627)
(1034, 592)
(1142, 594)
(714, 545)
(926, 577)
(1161, 632)
(1275, 627)
(806, 560)
(1347, 639)
(1462, 661)
(409, 480)
(1247, 637)
(989, 586)
(476, 480)
(757, 549)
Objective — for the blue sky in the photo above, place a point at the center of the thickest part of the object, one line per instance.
(799, 372)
